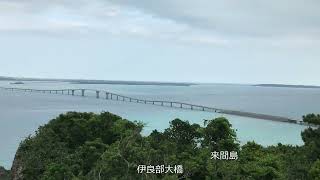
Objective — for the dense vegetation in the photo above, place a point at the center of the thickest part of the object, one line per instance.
(4, 174)
(104, 146)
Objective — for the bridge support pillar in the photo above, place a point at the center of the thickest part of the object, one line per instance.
(117, 98)
(97, 94)
(82, 92)
(107, 95)
(72, 92)
(171, 104)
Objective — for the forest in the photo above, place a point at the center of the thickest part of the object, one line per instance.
(83, 146)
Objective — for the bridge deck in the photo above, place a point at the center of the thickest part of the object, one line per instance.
(99, 94)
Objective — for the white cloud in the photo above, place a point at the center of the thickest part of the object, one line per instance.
(210, 22)
(97, 16)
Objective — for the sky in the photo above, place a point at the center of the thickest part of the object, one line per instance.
(211, 41)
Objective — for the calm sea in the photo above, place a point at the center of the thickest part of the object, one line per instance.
(21, 113)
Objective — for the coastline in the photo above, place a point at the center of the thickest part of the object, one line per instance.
(287, 86)
(94, 81)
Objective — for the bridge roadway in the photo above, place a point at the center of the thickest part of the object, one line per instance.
(99, 94)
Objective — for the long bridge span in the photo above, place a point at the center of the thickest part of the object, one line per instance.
(102, 94)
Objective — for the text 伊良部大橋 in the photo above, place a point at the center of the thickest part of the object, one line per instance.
(160, 169)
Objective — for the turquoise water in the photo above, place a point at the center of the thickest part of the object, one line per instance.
(21, 113)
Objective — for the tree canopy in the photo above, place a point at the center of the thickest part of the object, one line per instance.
(81, 146)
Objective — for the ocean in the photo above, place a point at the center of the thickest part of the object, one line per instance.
(21, 113)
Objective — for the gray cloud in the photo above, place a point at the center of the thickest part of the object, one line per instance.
(239, 17)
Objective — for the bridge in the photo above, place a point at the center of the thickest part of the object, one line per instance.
(102, 94)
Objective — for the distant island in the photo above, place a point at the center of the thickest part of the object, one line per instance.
(82, 81)
(129, 82)
(18, 82)
(286, 86)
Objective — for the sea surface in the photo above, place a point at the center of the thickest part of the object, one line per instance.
(21, 113)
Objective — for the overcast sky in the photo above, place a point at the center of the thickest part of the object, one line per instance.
(229, 41)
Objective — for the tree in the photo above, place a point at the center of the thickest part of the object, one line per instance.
(4, 174)
(182, 132)
(81, 146)
(219, 136)
(56, 171)
(312, 119)
(311, 138)
(257, 163)
(315, 170)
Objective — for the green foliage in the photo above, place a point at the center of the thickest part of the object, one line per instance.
(4, 174)
(182, 132)
(75, 140)
(56, 171)
(219, 135)
(315, 170)
(311, 138)
(312, 119)
(258, 163)
(83, 146)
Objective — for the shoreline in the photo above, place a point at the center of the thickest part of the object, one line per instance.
(95, 81)
(287, 86)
